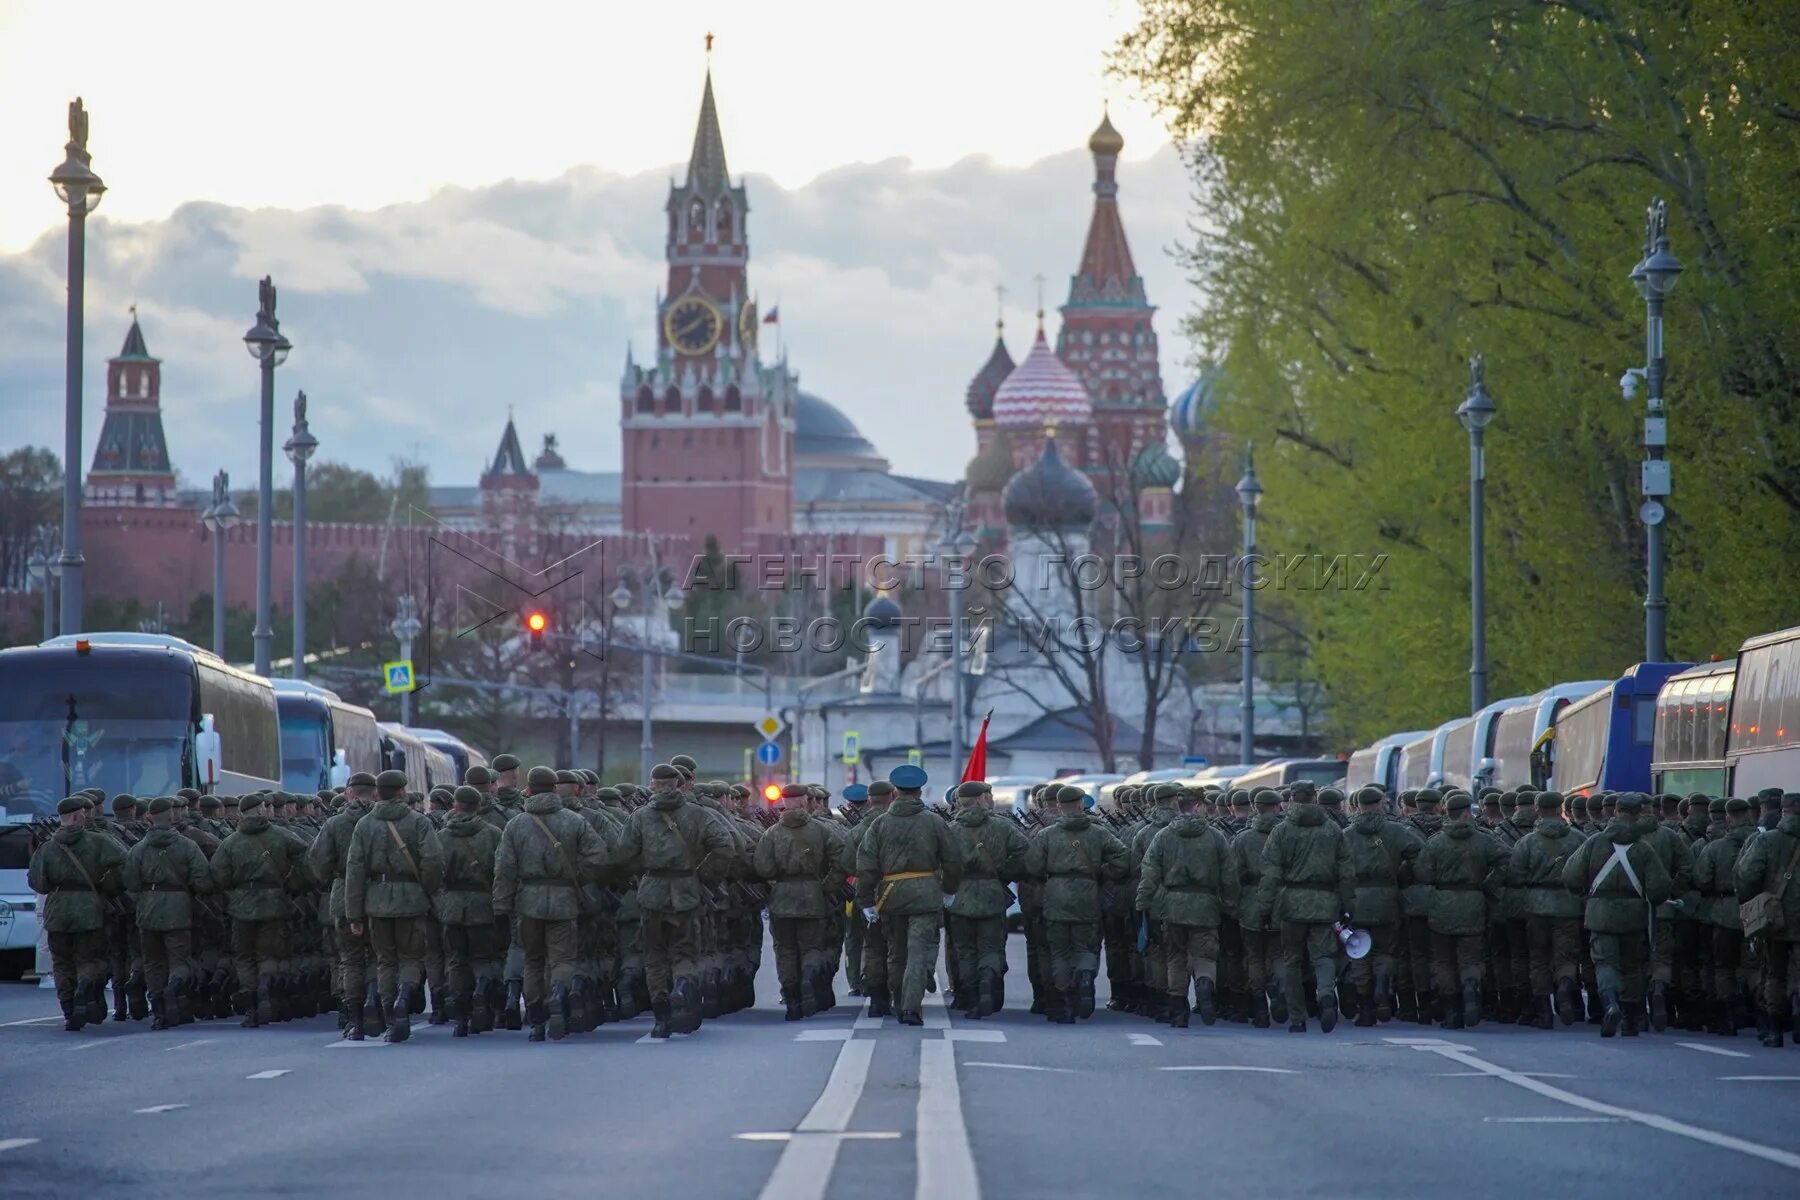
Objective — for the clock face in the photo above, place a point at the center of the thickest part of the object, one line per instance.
(692, 325)
(747, 325)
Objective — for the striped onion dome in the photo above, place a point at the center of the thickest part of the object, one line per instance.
(1155, 467)
(1189, 412)
(1042, 391)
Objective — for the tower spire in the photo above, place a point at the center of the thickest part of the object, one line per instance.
(707, 172)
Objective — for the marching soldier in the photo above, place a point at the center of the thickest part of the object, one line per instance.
(465, 912)
(77, 870)
(1623, 879)
(394, 865)
(1714, 877)
(1678, 861)
(359, 1007)
(1071, 858)
(1766, 868)
(906, 864)
(162, 873)
(1256, 917)
(854, 813)
(1419, 1000)
(1307, 873)
(257, 866)
(1187, 878)
(1156, 994)
(1465, 867)
(804, 866)
(1552, 917)
(993, 853)
(1382, 853)
(876, 984)
(510, 801)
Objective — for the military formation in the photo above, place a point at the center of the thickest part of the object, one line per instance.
(565, 905)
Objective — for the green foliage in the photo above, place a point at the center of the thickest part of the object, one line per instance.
(30, 504)
(335, 492)
(1386, 188)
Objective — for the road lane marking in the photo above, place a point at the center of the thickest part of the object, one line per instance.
(832, 1111)
(946, 1166)
(1257, 1070)
(190, 1045)
(1143, 1039)
(849, 1135)
(1490, 1075)
(1553, 1120)
(1021, 1067)
(647, 1040)
(159, 1108)
(824, 1035)
(29, 1021)
(810, 1154)
(92, 1044)
(1761, 1078)
(368, 1043)
(869, 1022)
(269, 1074)
(975, 1035)
(16, 1143)
(1654, 1120)
(1703, 1048)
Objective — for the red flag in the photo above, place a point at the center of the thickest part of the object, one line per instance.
(977, 768)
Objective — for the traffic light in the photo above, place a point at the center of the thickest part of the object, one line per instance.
(772, 792)
(537, 622)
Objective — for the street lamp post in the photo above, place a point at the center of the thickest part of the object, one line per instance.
(1249, 495)
(78, 187)
(299, 449)
(270, 349)
(654, 600)
(1475, 412)
(957, 544)
(1654, 277)
(406, 627)
(42, 568)
(220, 517)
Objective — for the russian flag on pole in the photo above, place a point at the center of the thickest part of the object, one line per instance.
(977, 766)
(774, 316)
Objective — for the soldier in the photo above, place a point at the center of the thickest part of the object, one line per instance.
(1714, 877)
(1331, 800)
(1187, 879)
(395, 864)
(546, 856)
(510, 801)
(482, 780)
(1071, 858)
(359, 1007)
(1767, 867)
(993, 853)
(1382, 853)
(1623, 879)
(257, 866)
(804, 866)
(630, 988)
(77, 869)
(674, 847)
(906, 864)
(1306, 871)
(162, 873)
(465, 912)
(1552, 917)
(1419, 1000)
(1256, 917)
(854, 812)
(1465, 867)
(1678, 861)
(1149, 987)
(1040, 814)
(1235, 1004)
(876, 984)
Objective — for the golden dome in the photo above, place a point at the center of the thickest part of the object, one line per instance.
(1106, 139)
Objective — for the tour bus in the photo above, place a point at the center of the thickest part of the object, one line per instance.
(1422, 759)
(1323, 772)
(316, 724)
(1379, 763)
(425, 766)
(1521, 750)
(126, 712)
(1602, 742)
(1762, 744)
(1693, 712)
(1469, 749)
(462, 755)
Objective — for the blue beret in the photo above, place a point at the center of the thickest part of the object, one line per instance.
(857, 793)
(908, 777)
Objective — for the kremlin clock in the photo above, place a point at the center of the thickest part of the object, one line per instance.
(692, 325)
(747, 326)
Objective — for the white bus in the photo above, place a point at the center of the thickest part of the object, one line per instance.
(317, 723)
(1693, 713)
(1520, 733)
(1762, 744)
(1379, 763)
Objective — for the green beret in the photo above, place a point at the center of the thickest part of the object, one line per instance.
(504, 762)
(973, 788)
(360, 779)
(467, 797)
(162, 804)
(1737, 804)
(609, 794)
(1717, 804)
(795, 791)
(741, 791)
(1458, 801)
(1267, 797)
(881, 789)
(1302, 785)
(664, 772)
(1630, 802)
(1549, 802)
(1578, 803)
(1331, 797)
(1409, 796)
(124, 802)
(1240, 798)
(477, 775)
(685, 764)
(567, 777)
(69, 804)
(181, 801)
(188, 794)
(441, 797)
(1370, 795)
(253, 800)
(210, 803)
(1163, 792)
(1068, 793)
(391, 780)
(98, 795)
(1426, 797)
(541, 778)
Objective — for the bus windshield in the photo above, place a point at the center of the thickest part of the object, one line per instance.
(305, 752)
(68, 726)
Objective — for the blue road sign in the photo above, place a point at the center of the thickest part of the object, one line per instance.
(769, 753)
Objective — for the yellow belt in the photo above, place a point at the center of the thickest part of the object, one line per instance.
(888, 882)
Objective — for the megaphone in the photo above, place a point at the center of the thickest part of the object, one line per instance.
(1356, 942)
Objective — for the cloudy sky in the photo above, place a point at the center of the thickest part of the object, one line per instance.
(462, 211)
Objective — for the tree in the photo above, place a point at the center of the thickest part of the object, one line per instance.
(1385, 189)
(30, 486)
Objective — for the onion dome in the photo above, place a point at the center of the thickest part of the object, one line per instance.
(1189, 413)
(987, 381)
(1049, 494)
(1154, 467)
(882, 612)
(989, 470)
(1105, 139)
(1042, 391)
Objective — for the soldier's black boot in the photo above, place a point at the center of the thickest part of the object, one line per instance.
(353, 1016)
(1367, 1006)
(481, 1007)
(265, 1000)
(1568, 1001)
(74, 1016)
(1159, 1007)
(1178, 1019)
(509, 1011)
(1510, 1008)
(791, 1002)
(558, 1021)
(1408, 1009)
(175, 1004)
(1633, 1023)
(440, 1011)
(1084, 994)
(709, 996)
(1453, 1013)
(579, 1005)
(137, 1000)
(373, 1023)
(1659, 1005)
(537, 1016)
(880, 1001)
(685, 1005)
(1206, 1000)
(118, 1010)
(159, 1013)
(987, 986)
(1721, 1024)
(1259, 1010)
(1328, 1010)
(1611, 1015)
(1384, 997)
(1471, 1003)
(400, 1013)
(806, 996)
(660, 1015)
(458, 1008)
(1064, 1011)
(1278, 1009)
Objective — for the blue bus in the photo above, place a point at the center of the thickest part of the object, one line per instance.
(1604, 741)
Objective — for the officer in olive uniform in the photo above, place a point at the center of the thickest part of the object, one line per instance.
(464, 907)
(994, 853)
(258, 866)
(1714, 876)
(1187, 879)
(359, 1006)
(162, 874)
(394, 866)
(804, 867)
(906, 864)
(1623, 879)
(1072, 858)
(77, 870)
(875, 982)
(510, 801)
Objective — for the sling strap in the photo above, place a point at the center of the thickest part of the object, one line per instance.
(404, 852)
(561, 851)
(1620, 858)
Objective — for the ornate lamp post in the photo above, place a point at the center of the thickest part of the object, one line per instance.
(78, 187)
(957, 543)
(1249, 492)
(654, 601)
(1475, 413)
(270, 349)
(42, 569)
(300, 448)
(220, 517)
(1654, 277)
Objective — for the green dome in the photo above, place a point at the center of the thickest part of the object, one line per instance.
(989, 470)
(1154, 467)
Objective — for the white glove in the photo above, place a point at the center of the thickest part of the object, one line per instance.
(869, 915)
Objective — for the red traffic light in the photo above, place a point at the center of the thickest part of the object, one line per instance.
(772, 792)
(536, 621)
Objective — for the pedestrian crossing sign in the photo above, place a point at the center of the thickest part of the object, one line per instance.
(398, 676)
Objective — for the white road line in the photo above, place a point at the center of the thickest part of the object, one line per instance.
(832, 1111)
(15, 1143)
(824, 1035)
(368, 1043)
(1703, 1048)
(975, 1035)
(1256, 1070)
(190, 1045)
(869, 1022)
(1021, 1067)
(159, 1108)
(1553, 1120)
(933, 1011)
(29, 1021)
(946, 1166)
(269, 1074)
(1654, 1120)
(646, 1040)
(1143, 1039)
(92, 1044)
(1491, 1075)
(1761, 1078)
(807, 1160)
(853, 1135)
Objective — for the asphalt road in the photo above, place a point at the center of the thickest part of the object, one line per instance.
(855, 1109)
